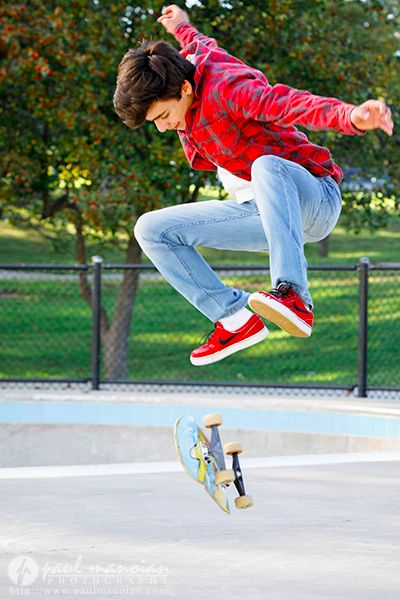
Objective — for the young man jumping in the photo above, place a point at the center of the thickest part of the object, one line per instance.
(230, 119)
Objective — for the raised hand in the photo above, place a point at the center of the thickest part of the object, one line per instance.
(171, 17)
(372, 114)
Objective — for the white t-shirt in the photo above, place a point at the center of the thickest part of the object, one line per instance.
(239, 188)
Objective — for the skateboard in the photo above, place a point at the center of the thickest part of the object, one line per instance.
(204, 460)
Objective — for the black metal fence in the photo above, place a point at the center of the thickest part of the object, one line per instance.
(51, 332)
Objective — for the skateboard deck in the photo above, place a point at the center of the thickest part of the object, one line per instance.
(201, 459)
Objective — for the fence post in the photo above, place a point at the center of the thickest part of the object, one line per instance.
(363, 329)
(96, 315)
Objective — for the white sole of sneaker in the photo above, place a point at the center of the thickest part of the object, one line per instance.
(213, 358)
(282, 316)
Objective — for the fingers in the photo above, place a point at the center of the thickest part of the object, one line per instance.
(386, 122)
(171, 17)
(164, 19)
(380, 114)
(167, 13)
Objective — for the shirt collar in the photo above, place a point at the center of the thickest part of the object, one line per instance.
(189, 117)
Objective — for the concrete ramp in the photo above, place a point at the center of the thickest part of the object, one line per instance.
(71, 428)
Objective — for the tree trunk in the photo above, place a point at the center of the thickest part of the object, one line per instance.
(195, 193)
(324, 247)
(116, 338)
(84, 285)
(115, 335)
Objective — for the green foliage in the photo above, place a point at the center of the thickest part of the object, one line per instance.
(370, 210)
(64, 151)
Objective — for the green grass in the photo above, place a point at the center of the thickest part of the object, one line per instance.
(17, 245)
(45, 326)
(20, 246)
(46, 332)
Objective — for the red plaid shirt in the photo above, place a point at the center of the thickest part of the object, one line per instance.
(237, 116)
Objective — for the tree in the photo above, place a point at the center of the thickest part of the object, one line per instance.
(66, 156)
(67, 159)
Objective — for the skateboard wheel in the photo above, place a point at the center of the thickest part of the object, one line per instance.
(243, 502)
(233, 448)
(224, 477)
(212, 420)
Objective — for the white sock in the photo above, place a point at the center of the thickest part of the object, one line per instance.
(237, 320)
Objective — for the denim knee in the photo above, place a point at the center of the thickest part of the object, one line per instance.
(147, 227)
(267, 162)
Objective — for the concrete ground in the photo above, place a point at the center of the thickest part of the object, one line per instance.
(316, 532)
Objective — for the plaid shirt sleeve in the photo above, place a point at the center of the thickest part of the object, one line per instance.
(185, 34)
(254, 98)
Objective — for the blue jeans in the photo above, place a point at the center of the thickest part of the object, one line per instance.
(290, 208)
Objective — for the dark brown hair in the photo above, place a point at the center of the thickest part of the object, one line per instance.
(154, 71)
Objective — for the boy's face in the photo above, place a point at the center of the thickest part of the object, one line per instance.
(170, 114)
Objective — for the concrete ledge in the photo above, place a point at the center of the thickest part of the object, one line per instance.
(35, 445)
(65, 428)
(203, 398)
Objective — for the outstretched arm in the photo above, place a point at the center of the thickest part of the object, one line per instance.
(253, 98)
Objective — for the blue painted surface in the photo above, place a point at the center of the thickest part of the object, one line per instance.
(186, 437)
(125, 413)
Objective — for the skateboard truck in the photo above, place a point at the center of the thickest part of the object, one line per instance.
(224, 476)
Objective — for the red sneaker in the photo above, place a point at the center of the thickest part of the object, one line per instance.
(285, 308)
(222, 343)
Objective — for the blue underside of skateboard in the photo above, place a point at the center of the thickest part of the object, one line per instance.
(192, 447)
